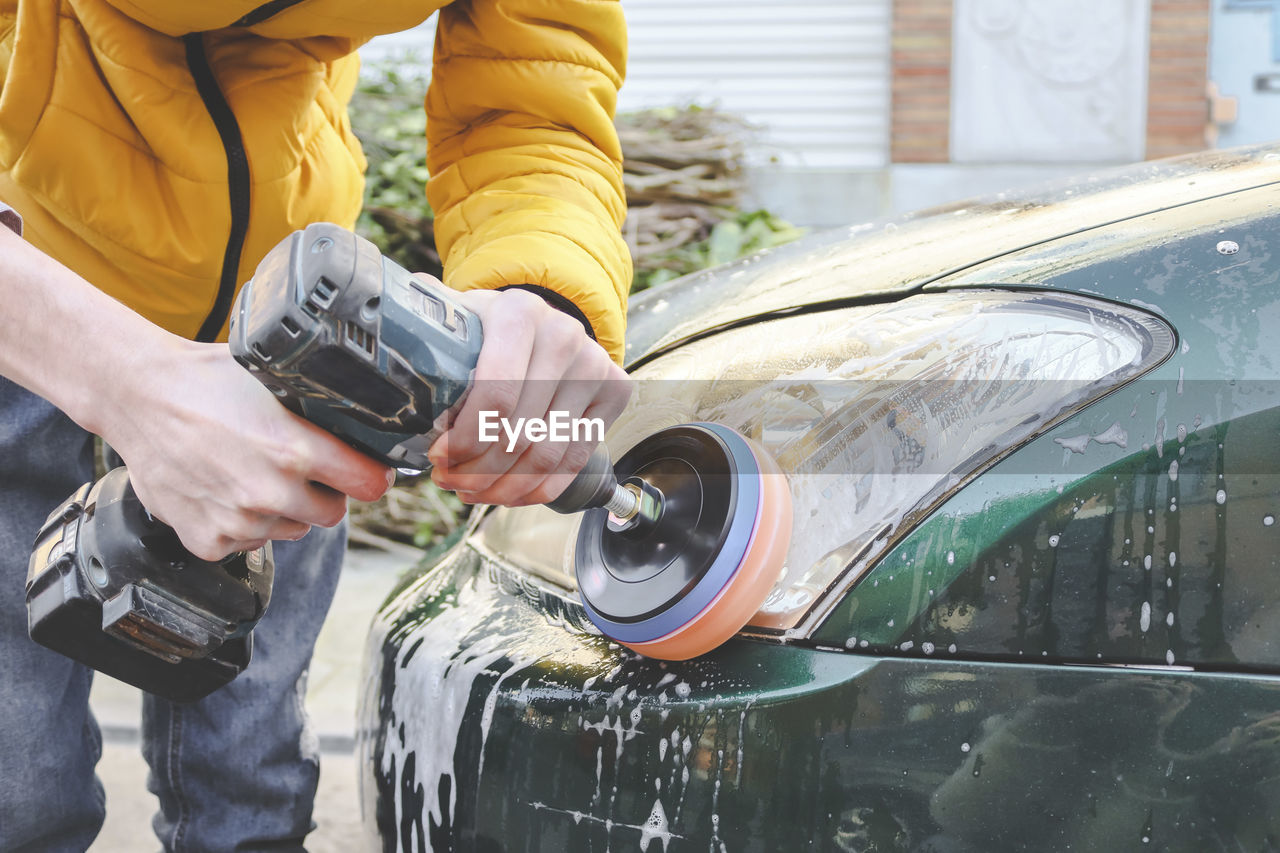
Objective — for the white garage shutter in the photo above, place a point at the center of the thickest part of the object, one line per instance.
(813, 73)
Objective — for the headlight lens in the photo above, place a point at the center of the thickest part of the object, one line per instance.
(875, 414)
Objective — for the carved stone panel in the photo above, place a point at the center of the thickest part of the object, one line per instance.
(1049, 80)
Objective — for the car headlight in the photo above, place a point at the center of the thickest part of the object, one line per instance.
(875, 413)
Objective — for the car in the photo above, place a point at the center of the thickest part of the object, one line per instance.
(1032, 597)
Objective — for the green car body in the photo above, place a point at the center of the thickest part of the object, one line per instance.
(1072, 646)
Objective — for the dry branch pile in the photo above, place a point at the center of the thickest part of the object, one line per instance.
(683, 170)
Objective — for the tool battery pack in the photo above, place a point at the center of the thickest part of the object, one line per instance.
(113, 588)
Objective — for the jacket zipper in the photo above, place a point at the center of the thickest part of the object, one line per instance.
(237, 181)
(266, 10)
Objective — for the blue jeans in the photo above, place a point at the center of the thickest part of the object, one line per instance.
(236, 771)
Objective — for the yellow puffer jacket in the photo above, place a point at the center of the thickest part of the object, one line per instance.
(160, 148)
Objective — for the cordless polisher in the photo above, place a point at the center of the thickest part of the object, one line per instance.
(679, 546)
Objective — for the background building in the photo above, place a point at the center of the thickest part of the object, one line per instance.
(873, 107)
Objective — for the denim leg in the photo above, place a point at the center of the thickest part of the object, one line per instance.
(50, 799)
(237, 771)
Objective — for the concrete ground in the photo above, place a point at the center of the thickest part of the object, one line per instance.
(331, 699)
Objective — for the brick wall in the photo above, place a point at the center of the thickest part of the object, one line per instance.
(921, 87)
(1177, 112)
(921, 79)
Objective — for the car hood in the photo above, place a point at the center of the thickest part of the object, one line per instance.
(898, 256)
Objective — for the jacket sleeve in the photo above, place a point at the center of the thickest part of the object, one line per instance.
(526, 168)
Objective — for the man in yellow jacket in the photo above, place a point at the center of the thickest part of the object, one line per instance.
(153, 151)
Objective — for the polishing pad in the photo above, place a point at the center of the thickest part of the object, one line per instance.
(678, 585)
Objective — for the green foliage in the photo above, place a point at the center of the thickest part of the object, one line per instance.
(449, 513)
(388, 117)
(729, 240)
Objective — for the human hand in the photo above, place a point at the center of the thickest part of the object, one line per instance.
(535, 361)
(214, 455)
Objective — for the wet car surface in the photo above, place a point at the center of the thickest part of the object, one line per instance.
(1034, 448)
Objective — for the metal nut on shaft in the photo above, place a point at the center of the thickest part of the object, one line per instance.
(624, 503)
(640, 504)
